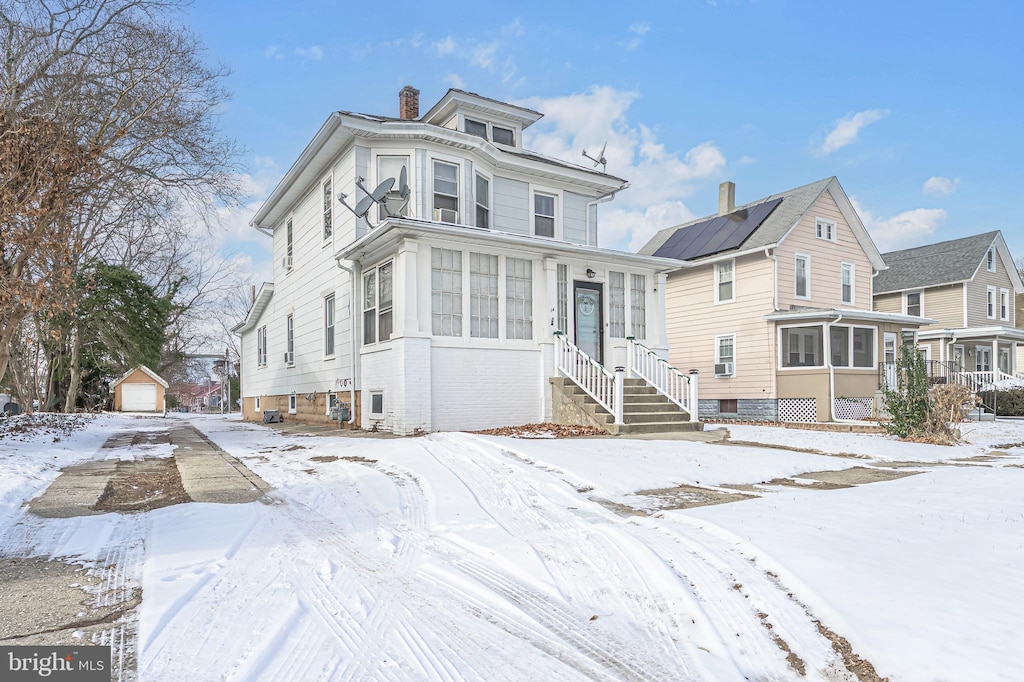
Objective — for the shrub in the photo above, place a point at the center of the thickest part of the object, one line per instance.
(1009, 403)
(921, 413)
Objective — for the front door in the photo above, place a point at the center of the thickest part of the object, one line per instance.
(1004, 360)
(890, 344)
(589, 324)
(983, 359)
(959, 363)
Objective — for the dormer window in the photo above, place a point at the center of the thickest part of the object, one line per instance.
(476, 128)
(990, 260)
(503, 136)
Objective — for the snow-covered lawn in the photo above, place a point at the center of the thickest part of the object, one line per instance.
(458, 556)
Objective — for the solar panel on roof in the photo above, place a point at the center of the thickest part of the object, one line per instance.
(717, 234)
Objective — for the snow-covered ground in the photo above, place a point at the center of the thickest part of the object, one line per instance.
(456, 556)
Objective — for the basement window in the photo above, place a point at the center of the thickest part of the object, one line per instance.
(292, 406)
(376, 403)
(728, 406)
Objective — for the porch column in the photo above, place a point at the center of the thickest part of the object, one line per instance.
(995, 354)
(658, 318)
(547, 338)
(551, 299)
(405, 290)
(1013, 358)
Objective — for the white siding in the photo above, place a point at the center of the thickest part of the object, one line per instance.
(511, 395)
(574, 218)
(511, 206)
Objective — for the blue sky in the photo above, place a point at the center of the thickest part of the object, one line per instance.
(916, 107)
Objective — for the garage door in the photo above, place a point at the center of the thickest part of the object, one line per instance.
(138, 397)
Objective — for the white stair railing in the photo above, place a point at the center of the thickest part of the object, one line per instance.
(590, 375)
(680, 388)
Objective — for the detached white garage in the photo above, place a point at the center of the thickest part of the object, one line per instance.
(140, 390)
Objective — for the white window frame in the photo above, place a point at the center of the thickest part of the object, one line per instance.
(489, 207)
(806, 258)
(327, 213)
(1004, 305)
(289, 345)
(825, 229)
(479, 297)
(289, 245)
(261, 346)
(510, 298)
(990, 302)
(852, 269)
(459, 190)
(718, 354)
(849, 346)
(293, 404)
(638, 306)
(376, 415)
(617, 304)
(785, 351)
(562, 276)
(257, 408)
(555, 218)
(377, 309)
(409, 157)
(716, 283)
(990, 260)
(517, 131)
(330, 325)
(906, 301)
(457, 313)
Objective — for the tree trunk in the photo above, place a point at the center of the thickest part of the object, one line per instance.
(76, 374)
(5, 347)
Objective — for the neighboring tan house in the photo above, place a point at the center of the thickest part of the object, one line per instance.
(452, 302)
(969, 287)
(776, 310)
(139, 390)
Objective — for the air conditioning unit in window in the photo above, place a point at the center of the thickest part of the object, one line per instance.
(289, 358)
(286, 262)
(445, 215)
(723, 369)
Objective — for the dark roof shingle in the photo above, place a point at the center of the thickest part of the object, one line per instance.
(951, 261)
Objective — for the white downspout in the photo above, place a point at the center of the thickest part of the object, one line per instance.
(352, 338)
(831, 370)
(600, 200)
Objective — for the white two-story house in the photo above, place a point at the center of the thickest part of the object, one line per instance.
(443, 307)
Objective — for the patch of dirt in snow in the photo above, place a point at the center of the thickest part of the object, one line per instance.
(25, 427)
(142, 485)
(863, 669)
(545, 430)
(792, 448)
(324, 458)
(357, 459)
(683, 497)
(835, 480)
(795, 662)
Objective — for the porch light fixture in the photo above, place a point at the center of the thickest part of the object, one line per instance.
(590, 273)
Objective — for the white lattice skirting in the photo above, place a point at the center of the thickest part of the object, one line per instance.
(798, 410)
(853, 408)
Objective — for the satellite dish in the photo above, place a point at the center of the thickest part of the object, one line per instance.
(382, 189)
(599, 159)
(403, 184)
(363, 207)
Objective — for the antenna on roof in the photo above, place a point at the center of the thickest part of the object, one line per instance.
(599, 159)
(379, 196)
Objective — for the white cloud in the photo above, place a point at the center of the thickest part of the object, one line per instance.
(848, 127)
(454, 80)
(746, 160)
(513, 29)
(637, 29)
(937, 186)
(272, 52)
(483, 55)
(903, 230)
(314, 52)
(444, 46)
(659, 178)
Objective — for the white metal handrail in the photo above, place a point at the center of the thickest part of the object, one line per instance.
(590, 375)
(680, 388)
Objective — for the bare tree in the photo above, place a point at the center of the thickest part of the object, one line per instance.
(128, 108)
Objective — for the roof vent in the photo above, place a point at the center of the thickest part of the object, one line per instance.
(409, 103)
(726, 198)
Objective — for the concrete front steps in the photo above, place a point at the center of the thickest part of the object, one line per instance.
(644, 410)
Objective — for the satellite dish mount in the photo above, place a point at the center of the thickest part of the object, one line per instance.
(599, 160)
(379, 197)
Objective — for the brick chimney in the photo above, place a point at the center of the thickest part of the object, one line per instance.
(409, 103)
(726, 198)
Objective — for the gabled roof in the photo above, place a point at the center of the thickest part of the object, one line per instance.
(266, 292)
(772, 230)
(948, 262)
(145, 370)
(455, 98)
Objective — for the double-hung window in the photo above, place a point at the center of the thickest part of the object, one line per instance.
(638, 306)
(483, 202)
(990, 260)
(725, 355)
(446, 292)
(544, 215)
(913, 303)
(518, 298)
(289, 353)
(378, 303)
(847, 284)
(446, 192)
(329, 325)
(825, 229)
(288, 246)
(616, 305)
(328, 211)
(990, 303)
(261, 346)
(483, 296)
(1004, 304)
(563, 297)
(802, 276)
(724, 282)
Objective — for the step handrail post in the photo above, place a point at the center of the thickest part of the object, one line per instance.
(694, 417)
(618, 389)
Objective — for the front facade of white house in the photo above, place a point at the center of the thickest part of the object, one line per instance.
(445, 313)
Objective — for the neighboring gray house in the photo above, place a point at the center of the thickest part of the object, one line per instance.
(968, 286)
